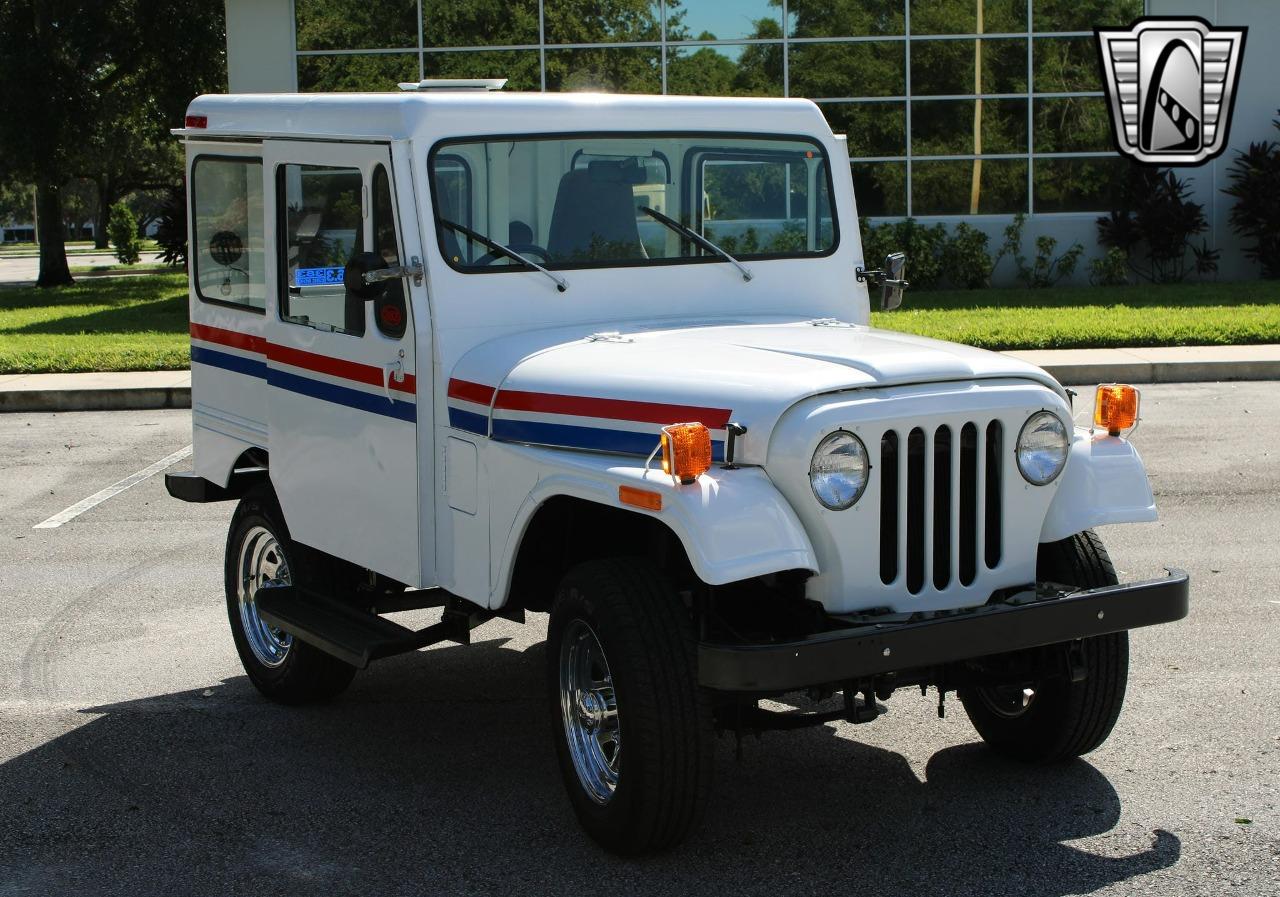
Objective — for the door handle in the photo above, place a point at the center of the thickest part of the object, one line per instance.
(394, 370)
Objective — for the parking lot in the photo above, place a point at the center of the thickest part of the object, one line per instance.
(136, 758)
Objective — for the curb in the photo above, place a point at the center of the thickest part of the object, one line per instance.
(131, 398)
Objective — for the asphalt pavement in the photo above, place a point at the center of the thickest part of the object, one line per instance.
(24, 269)
(136, 758)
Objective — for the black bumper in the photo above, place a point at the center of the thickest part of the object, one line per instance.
(187, 486)
(870, 650)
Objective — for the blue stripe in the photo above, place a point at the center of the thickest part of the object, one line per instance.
(469, 421)
(249, 366)
(621, 442)
(341, 395)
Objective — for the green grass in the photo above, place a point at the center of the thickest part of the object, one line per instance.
(1200, 314)
(99, 324)
(140, 323)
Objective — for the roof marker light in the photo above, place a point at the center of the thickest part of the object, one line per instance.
(197, 121)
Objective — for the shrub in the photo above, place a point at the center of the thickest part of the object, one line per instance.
(1112, 270)
(1153, 222)
(122, 228)
(171, 228)
(1255, 183)
(965, 258)
(923, 245)
(1047, 269)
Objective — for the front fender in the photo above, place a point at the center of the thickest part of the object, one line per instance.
(733, 524)
(1104, 482)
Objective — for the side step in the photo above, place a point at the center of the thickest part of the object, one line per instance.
(358, 636)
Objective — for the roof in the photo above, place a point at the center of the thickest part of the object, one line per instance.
(433, 114)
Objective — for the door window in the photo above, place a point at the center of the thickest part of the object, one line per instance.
(389, 308)
(323, 221)
(226, 233)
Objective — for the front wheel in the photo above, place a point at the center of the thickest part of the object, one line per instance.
(1057, 719)
(631, 726)
(259, 556)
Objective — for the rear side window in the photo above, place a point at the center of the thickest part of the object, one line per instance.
(227, 237)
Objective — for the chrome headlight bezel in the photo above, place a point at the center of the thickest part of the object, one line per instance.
(1042, 474)
(839, 470)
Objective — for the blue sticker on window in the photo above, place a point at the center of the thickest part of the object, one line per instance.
(318, 277)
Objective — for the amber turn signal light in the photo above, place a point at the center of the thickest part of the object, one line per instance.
(1115, 408)
(640, 498)
(686, 451)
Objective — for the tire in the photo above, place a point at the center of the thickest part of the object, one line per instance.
(283, 668)
(1064, 719)
(661, 757)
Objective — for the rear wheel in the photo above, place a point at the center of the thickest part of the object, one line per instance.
(1057, 719)
(631, 726)
(259, 556)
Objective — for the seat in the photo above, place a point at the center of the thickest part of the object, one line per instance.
(594, 217)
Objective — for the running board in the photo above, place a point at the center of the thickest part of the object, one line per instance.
(358, 636)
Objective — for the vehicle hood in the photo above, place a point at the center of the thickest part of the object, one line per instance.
(585, 389)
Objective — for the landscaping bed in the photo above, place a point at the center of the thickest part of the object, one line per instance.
(140, 323)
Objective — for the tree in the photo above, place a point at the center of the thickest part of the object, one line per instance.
(92, 88)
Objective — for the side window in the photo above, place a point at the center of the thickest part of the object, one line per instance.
(323, 218)
(760, 205)
(389, 308)
(227, 233)
(453, 198)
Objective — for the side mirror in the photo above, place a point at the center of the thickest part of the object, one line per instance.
(888, 278)
(355, 277)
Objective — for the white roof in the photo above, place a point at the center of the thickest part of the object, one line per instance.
(435, 114)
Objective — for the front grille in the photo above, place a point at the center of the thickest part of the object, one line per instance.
(940, 504)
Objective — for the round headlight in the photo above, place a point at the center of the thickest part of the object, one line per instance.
(1042, 448)
(839, 469)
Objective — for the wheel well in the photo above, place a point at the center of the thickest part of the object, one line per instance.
(566, 531)
(251, 469)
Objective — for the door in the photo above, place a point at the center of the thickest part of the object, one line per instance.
(342, 382)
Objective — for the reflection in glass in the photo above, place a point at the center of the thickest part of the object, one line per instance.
(880, 188)
(961, 16)
(1064, 64)
(723, 19)
(946, 66)
(355, 26)
(872, 129)
(946, 127)
(612, 69)
(1076, 185)
(1083, 15)
(742, 70)
(863, 69)
(1073, 125)
(479, 23)
(844, 18)
(366, 71)
(946, 188)
(592, 22)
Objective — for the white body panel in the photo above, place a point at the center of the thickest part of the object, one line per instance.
(1104, 482)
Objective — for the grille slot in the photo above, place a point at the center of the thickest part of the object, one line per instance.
(940, 505)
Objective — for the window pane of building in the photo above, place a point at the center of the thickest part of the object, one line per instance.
(614, 69)
(946, 127)
(823, 18)
(1073, 125)
(590, 22)
(880, 188)
(743, 70)
(946, 188)
(326, 25)
(961, 16)
(364, 71)
(1083, 15)
(519, 67)
(1065, 64)
(863, 69)
(1076, 185)
(873, 129)
(946, 66)
(723, 19)
(479, 23)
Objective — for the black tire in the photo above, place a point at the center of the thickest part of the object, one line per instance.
(665, 749)
(305, 674)
(1064, 719)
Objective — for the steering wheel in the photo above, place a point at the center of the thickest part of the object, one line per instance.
(523, 248)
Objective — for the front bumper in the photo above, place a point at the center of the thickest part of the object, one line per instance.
(868, 650)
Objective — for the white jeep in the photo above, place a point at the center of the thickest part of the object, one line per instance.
(609, 358)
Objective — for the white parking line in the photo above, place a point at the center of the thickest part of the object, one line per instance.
(114, 489)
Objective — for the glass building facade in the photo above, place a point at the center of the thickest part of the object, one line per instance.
(951, 107)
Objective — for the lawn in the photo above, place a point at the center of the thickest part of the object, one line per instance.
(140, 323)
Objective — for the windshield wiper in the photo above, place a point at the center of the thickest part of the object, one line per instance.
(695, 237)
(560, 282)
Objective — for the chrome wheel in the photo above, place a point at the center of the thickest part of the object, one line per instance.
(589, 710)
(261, 563)
(1007, 701)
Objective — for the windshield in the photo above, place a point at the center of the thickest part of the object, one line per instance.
(579, 202)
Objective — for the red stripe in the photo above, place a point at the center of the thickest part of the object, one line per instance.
(233, 338)
(612, 409)
(470, 392)
(337, 367)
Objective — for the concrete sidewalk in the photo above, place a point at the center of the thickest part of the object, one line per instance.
(1072, 367)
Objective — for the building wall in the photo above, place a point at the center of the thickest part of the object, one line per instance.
(897, 75)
